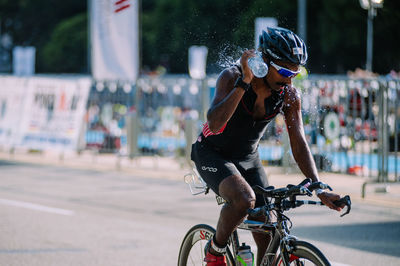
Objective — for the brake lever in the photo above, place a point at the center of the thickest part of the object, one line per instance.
(319, 185)
(305, 191)
(344, 201)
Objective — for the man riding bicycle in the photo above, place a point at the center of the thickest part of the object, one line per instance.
(225, 153)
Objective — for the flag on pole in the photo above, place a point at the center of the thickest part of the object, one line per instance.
(114, 30)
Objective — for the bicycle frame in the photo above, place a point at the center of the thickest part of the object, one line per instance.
(280, 240)
(279, 231)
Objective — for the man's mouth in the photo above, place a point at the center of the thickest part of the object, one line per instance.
(281, 85)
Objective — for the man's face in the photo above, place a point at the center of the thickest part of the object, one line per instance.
(280, 74)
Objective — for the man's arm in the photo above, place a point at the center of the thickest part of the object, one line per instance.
(225, 100)
(227, 97)
(298, 143)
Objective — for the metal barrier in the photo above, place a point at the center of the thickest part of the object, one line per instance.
(349, 124)
(156, 109)
(352, 126)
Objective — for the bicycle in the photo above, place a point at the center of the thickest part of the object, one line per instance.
(284, 249)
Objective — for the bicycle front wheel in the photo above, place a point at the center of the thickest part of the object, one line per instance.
(304, 254)
(192, 248)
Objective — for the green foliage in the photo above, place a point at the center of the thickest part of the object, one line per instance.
(335, 35)
(31, 22)
(386, 37)
(336, 32)
(66, 50)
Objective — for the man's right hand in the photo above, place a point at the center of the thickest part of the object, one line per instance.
(247, 74)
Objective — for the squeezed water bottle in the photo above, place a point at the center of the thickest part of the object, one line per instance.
(258, 66)
(244, 256)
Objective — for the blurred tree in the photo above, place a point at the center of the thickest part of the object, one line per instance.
(337, 32)
(182, 23)
(386, 37)
(66, 51)
(31, 22)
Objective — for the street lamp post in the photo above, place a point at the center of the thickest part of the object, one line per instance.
(371, 6)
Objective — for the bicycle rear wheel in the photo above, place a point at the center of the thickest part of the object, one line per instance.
(192, 248)
(304, 254)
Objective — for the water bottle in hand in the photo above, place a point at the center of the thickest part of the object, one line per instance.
(258, 66)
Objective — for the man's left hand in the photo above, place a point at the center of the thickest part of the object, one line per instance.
(328, 199)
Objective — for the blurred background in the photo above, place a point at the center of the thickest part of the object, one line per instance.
(100, 101)
(131, 79)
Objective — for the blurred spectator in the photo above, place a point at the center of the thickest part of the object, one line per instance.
(361, 74)
(393, 74)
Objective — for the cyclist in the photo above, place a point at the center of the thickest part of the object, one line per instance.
(225, 153)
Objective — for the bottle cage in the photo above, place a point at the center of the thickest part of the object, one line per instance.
(198, 186)
(195, 182)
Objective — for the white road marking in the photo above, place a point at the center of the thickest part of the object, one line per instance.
(35, 207)
(339, 264)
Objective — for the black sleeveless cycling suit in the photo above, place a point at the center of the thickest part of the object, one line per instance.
(233, 150)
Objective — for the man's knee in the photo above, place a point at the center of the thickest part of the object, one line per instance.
(238, 193)
(244, 202)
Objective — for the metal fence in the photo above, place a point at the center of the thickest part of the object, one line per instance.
(159, 107)
(352, 126)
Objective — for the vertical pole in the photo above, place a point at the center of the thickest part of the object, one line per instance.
(371, 14)
(380, 136)
(140, 44)
(396, 135)
(386, 133)
(383, 134)
(132, 124)
(286, 159)
(302, 19)
(89, 38)
(371, 125)
(190, 137)
(205, 99)
(1, 47)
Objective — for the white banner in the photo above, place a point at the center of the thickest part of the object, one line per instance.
(197, 61)
(12, 99)
(24, 60)
(53, 113)
(114, 39)
(262, 24)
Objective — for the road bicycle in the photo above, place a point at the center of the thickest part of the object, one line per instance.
(284, 249)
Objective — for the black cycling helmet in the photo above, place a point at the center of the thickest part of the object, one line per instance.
(283, 44)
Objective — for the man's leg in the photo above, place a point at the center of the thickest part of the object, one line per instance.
(254, 173)
(240, 197)
(262, 240)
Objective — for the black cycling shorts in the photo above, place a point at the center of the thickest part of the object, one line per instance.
(214, 167)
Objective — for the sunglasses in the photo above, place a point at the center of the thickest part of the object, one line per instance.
(284, 72)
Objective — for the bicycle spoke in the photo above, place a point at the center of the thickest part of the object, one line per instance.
(196, 255)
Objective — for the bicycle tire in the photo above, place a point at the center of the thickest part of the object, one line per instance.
(192, 247)
(304, 251)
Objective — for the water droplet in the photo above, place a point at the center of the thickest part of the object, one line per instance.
(229, 55)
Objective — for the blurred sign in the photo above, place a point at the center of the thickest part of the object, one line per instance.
(12, 98)
(197, 61)
(260, 25)
(331, 126)
(42, 113)
(53, 113)
(24, 60)
(114, 39)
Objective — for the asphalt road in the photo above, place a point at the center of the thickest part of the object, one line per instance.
(62, 216)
